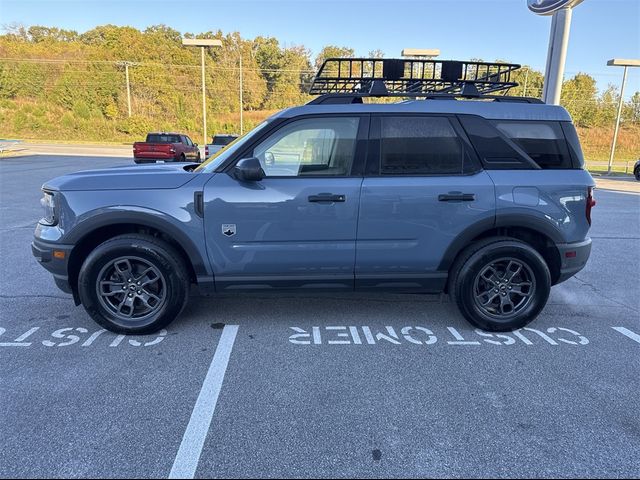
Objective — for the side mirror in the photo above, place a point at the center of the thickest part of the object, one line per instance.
(249, 170)
(195, 144)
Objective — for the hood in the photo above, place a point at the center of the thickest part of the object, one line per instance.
(134, 177)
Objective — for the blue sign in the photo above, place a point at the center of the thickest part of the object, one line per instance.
(548, 7)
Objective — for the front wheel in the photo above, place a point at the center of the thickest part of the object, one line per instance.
(500, 284)
(636, 173)
(133, 284)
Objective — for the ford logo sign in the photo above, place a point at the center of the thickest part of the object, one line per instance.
(548, 7)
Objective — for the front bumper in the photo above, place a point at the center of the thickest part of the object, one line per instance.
(54, 257)
(573, 258)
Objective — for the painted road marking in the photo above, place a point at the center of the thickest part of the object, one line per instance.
(628, 333)
(420, 335)
(188, 456)
(69, 336)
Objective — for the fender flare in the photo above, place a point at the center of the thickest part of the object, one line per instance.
(145, 218)
(529, 222)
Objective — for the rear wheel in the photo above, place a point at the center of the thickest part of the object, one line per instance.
(133, 284)
(636, 173)
(500, 284)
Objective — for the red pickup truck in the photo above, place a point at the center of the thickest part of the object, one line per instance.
(168, 147)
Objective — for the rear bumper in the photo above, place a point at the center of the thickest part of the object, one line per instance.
(573, 258)
(167, 157)
(56, 263)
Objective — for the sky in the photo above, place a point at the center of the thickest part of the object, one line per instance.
(461, 29)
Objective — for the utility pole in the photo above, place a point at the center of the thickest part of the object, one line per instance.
(626, 63)
(202, 43)
(126, 73)
(126, 65)
(241, 105)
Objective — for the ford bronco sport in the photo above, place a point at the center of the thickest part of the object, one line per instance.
(460, 189)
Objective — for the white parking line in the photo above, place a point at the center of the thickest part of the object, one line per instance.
(186, 462)
(628, 333)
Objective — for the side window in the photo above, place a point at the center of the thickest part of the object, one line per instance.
(189, 142)
(311, 146)
(420, 145)
(544, 142)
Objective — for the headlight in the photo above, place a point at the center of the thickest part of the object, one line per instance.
(48, 203)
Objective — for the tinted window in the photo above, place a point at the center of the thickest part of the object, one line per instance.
(420, 146)
(223, 139)
(312, 146)
(544, 142)
(188, 141)
(574, 144)
(163, 138)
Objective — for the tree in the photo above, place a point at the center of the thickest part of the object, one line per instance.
(579, 97)
(331, 51)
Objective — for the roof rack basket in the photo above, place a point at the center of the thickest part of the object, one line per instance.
(411, 77)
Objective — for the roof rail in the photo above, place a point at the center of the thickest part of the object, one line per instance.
(410, 77)
(346, 98)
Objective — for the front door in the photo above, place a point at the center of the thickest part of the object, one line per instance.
(297, 226)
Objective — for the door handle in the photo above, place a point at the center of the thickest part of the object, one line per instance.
(327, 198)
(456, 197)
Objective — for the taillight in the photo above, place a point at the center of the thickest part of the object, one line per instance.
(206, 151)
(172, 150)
(591, 202)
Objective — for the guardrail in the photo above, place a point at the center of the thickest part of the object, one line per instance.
(628, 165)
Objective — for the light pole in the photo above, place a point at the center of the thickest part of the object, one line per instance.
(202, 43)
(626, 63)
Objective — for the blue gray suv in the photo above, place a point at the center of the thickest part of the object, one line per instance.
(457, 190)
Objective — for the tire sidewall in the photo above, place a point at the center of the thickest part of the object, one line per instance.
(176, 294)
(478, 261)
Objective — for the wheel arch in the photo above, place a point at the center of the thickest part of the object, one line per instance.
(539, 235)
(92, 232)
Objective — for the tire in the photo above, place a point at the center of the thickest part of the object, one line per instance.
(636, 173)
(481, 275)
(199, 158)
(106, 268)
(181, 158)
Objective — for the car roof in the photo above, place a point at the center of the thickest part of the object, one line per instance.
(486, 109)
(166, 133)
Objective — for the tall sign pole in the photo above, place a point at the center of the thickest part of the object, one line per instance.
(558, 43)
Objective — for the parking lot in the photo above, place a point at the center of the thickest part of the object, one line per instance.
(319, 385)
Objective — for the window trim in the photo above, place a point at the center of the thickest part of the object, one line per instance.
(359, 156)
(374, 161)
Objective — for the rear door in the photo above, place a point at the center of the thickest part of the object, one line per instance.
(423, 189)
(297, 226)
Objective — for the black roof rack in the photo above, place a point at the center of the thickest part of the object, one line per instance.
(354, 78)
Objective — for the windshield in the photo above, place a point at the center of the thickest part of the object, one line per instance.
(219, 157)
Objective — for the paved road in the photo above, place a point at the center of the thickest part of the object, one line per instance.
(558, 400)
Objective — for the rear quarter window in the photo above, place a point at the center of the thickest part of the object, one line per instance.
(543, 142)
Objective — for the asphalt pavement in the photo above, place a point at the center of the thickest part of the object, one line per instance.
(318, 385)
